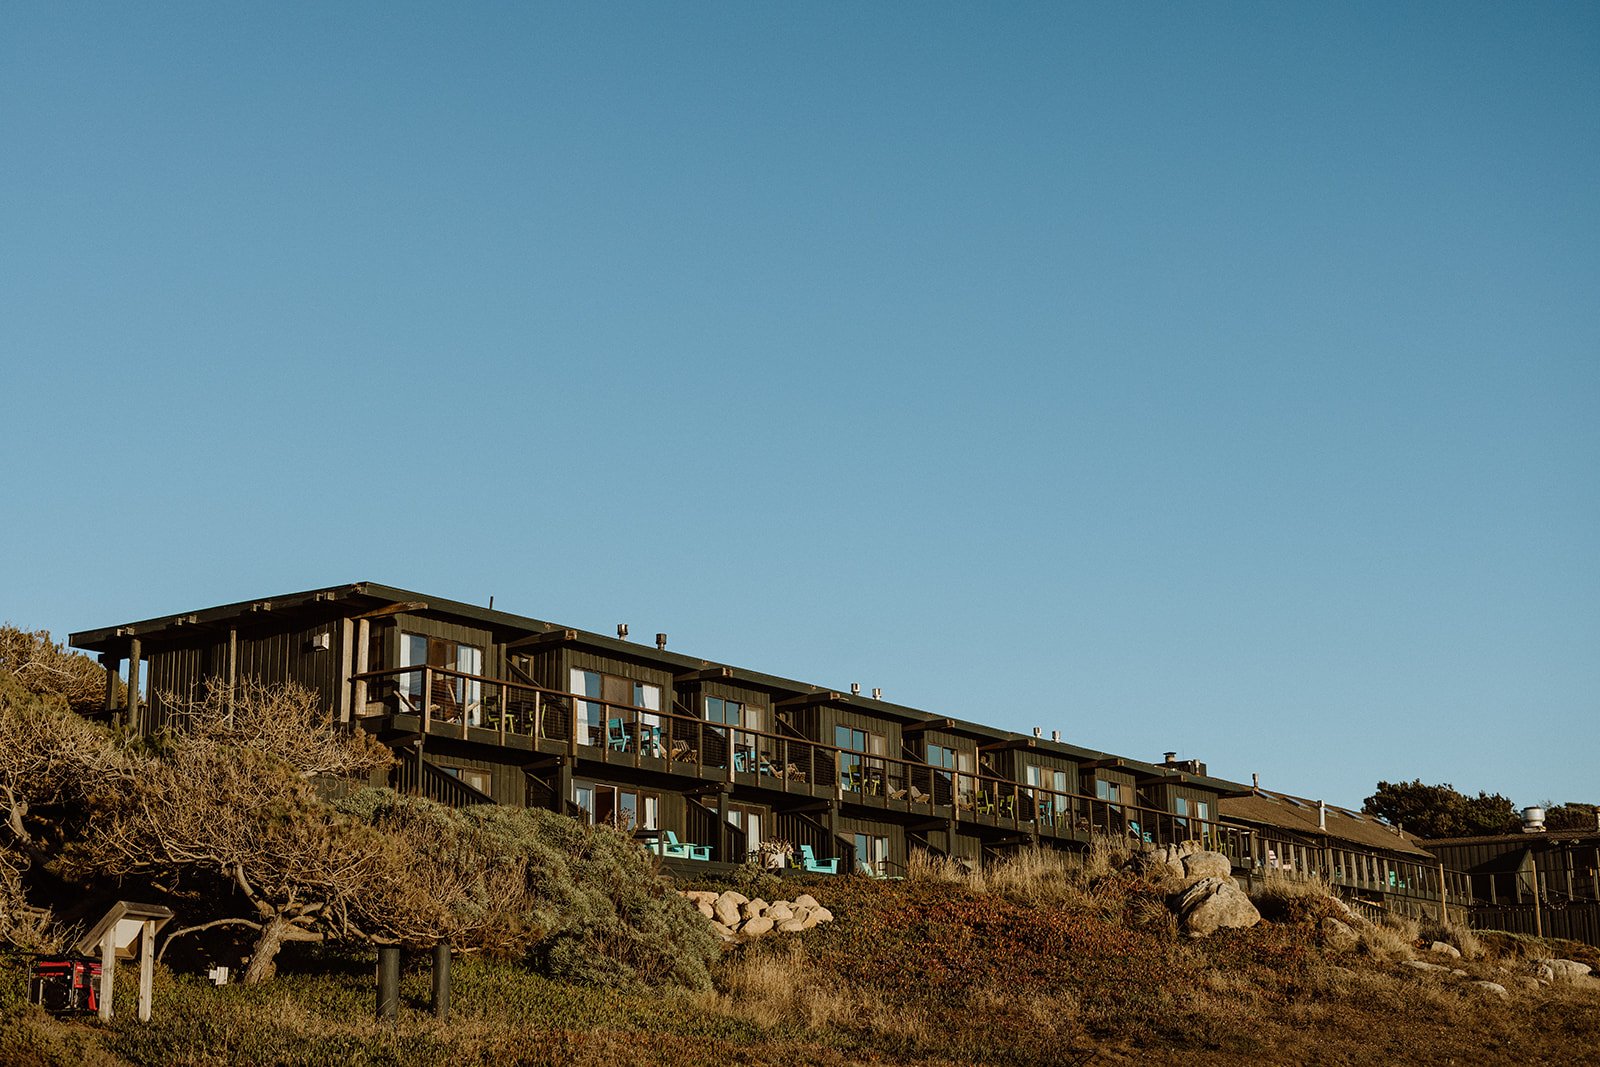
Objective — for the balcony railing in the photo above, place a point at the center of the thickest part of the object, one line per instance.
(496, 709)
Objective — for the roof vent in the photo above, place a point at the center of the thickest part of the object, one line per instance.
(877, 693)
(1169, 757)
(622, 631)
(1055, 735)
(1038, 731)
(1533, 820)
(855, 689)
(661, 641)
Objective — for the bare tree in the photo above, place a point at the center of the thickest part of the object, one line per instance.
(45, 668)
(225, 811)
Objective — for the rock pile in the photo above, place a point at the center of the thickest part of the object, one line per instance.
(735, 916)
(1206, 899)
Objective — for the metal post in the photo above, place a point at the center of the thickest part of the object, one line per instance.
(441, 980)
(388, 981)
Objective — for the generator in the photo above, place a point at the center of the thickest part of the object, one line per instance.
(65, 985)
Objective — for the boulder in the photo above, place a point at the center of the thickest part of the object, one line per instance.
(1423, 965)
(780, 912)
(1157, 862)
(822, 915)
(1338, 936)
(1529, 982)
(726, 910)
(1493, 989)
(705, 909)
(1555, 970)
(1205, 864)
(1445, 949)
(1213, 904)
(722, 931)
(752, 908)
(791, 926)
(805, 900)
(756, 927)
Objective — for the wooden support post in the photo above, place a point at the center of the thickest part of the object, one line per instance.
(441, 980)
(134, 652)
(563, 784)
(346, 666)
(363, 654)
(108, 972)
(722, 823)
(147, 968)
(111, 664)
(388, 982)
(233, 669)
(1538, 918)
(1444, 910)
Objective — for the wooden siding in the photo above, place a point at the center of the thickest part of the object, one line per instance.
(270, 656)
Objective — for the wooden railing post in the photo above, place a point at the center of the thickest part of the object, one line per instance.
(427, 698)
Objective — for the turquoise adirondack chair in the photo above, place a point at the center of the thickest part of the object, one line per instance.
(808, 860)
(672, 847)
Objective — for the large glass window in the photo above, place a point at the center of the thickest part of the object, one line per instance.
(947, 783)
(872, 854)
(609, 805)
(620, 713)
(748, 819)
(858, 772)
(453, 697)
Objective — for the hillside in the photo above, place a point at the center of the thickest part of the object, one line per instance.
(1037, 964)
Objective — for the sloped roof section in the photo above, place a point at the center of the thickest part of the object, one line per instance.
(1300, 815)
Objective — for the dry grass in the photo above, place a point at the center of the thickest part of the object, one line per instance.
(783, 990)
(1464, 939)
(1293, 897)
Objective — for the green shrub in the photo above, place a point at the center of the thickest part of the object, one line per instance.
(587, 900)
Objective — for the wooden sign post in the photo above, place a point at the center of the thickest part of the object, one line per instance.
(127, 930)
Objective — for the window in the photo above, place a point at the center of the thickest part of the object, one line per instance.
(452, 697)
(1053, 800)
(858, 773)
(1115, 792)
(743, 717)
(748, 819)
(624, 808)
(479, 780)
(872, 854)
(602, 720)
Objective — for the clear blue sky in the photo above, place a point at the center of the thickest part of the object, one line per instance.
(1214, 378)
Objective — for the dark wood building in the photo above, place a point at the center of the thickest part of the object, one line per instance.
(705, 759)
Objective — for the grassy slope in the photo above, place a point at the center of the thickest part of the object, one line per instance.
(924, 972)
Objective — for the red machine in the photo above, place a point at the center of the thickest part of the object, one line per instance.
(64, 985)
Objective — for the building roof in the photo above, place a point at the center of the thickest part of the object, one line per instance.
(1303, 816)
(1530, 840)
